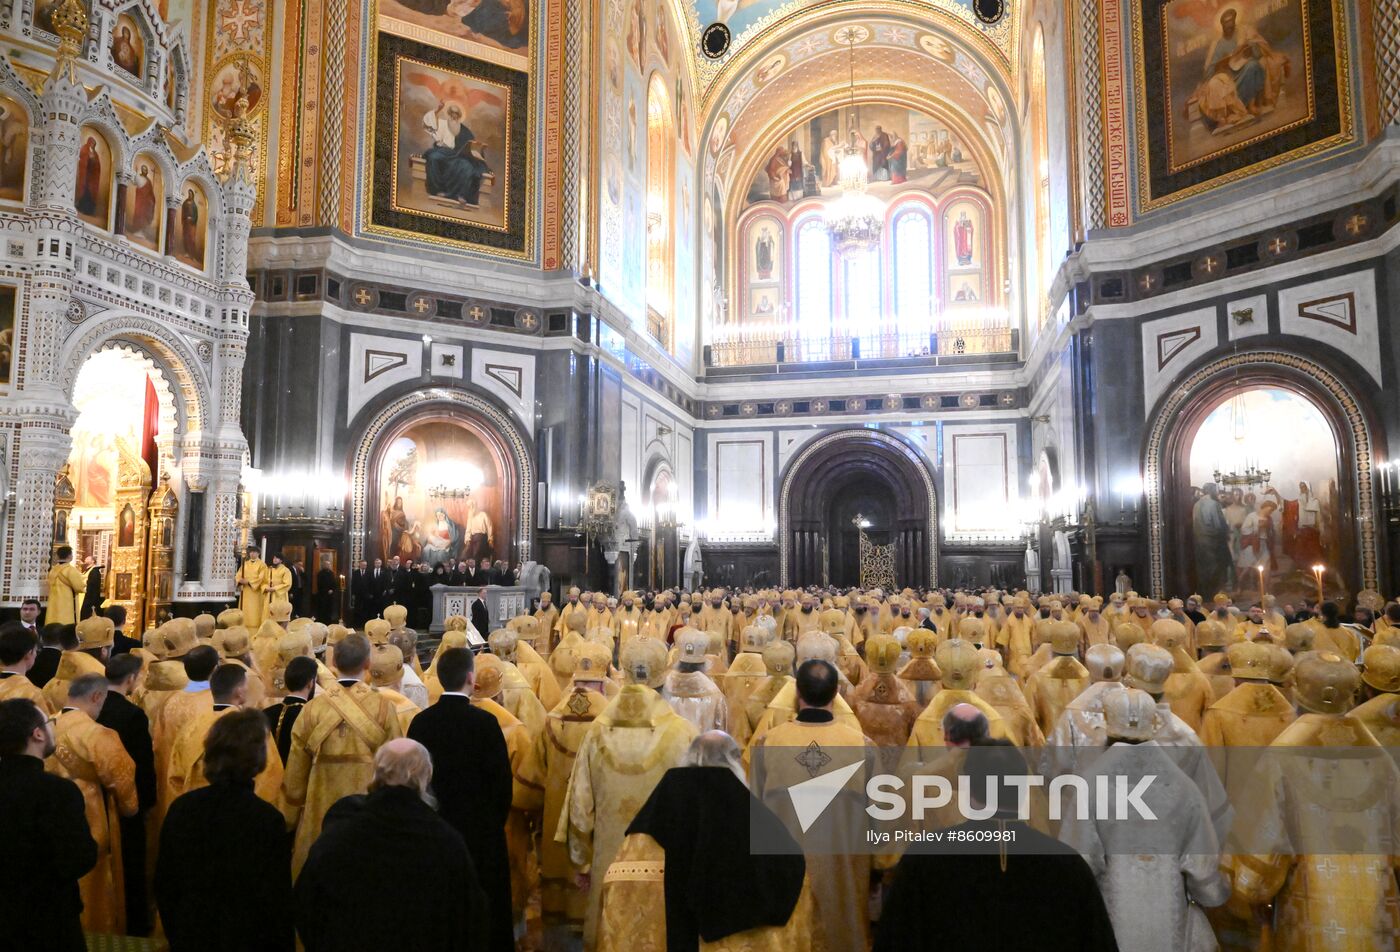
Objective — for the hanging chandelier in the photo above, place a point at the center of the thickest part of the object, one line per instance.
(856, 218)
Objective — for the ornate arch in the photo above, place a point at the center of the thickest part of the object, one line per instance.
(423, 402)
(909, 461)
(1352, 428)
(167, 348)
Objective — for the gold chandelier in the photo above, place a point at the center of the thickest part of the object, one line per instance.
(855, 220)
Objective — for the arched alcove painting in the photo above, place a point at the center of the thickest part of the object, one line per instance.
(442, 492)
(1265, 506)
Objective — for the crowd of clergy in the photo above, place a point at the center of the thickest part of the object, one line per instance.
(597, 759)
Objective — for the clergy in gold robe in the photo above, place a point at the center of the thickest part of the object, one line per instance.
(883, 705)
(1094, 625)
(573, 616)
(742, 678)
(811, 744)
(1001, 691)
(252, 588)
(1252, 715)
(691, 692)
(92, 756)
(785, 704)
(228, 689)
(451, 638)
(687, 877)
(921, 674)
(633, 742)
(527, 789)
(506, 645)
(89, 657)
(1380, 685)
(386, 669)
(627, 620)
(1188, 691)
(1051, 688)
(960, 665)
(333, 745)
(279, 581)
(779, 659)
(1302, 809)
(1014, 639)
(66, 585)
(563, 905)
(546, 617)
(1081, 723)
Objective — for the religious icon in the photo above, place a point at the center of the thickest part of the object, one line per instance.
(60, 525)
(663, 37)
(14, 149)
(128, 46)
(126, 527)
(167, 532)
(451, 143)
(962, 239)
(763, 253)
(92, 193)
(1236, 73)
(637, 32)
(495, 24)
(441, 496)
(170, 90)
(237, 86)
(187, 240)
(966, 293)
(122, 587)
(1238, 527)
(779, 171)
(145, 205)
(7, 333)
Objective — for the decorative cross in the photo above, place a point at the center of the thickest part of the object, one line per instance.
(813, 759)
(476, 313)
(422, 305)
(1357, 223)
(528, 321)
(1146, 282)
(1007, 399)
(1278, 246)
(362, 296)
(1209, 264)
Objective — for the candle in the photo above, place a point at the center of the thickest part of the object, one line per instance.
(1317, 571)
(1261, 581)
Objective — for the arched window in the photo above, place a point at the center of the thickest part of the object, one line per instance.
(1041, 259)
(813, 267)
(861, 281)
(660, 215)
(913, 265)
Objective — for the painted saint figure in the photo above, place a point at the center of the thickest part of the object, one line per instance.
(481, 536)
(831, 159)
(90, 178)
(442, 539)
(778, 171)
(962, 239)
(898, 159)
(502, 21)
(1210, 533)
(880, 156)
(125, 53)
(763, 254)
(191, 228)
(1242, 78)
(143, 206)
(454, 164)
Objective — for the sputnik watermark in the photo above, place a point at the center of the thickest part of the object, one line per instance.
(1108, 798)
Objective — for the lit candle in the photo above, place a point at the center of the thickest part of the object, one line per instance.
(1261, 580)
(1317, 571)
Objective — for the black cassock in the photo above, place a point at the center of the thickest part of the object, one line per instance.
(1045, 897)
(472, 781)
(388, 873)
(326, 592)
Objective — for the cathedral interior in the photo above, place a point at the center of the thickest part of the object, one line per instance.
(658, 293)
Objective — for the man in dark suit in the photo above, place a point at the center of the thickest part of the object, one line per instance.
(327, 594)
(121, 644)
(400, 582)
(300, 681)
(297, 594)
(423, 893)
(221, 836)
(481, 615)
(457, 575)
(381, 587)
(50, 650)
(134, 729)
(472, 780)
(360, 594)
(48, 846)
(92, 593)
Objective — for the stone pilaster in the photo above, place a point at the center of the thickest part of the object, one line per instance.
(42, 449)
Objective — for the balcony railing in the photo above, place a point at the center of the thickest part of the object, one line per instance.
(756, 344)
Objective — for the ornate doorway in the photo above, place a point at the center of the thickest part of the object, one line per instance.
(852, 481)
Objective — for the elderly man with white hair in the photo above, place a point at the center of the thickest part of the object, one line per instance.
(422, 870)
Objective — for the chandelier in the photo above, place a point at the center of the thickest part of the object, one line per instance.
(856, 218)
(1249, 477)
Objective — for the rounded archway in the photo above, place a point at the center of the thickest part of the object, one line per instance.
(846, 482)
(1234, 508)
(442, 474)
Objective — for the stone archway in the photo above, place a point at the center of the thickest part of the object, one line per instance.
(490, 423)
(1178, 417)
(821, 483)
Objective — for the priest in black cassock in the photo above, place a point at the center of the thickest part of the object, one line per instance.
(1030, 892)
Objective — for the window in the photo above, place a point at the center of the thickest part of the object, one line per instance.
(660, 204)
(862, 285)
(913, 267)
(1042, 259)
(813, 257)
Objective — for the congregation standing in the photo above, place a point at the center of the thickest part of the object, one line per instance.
(590, 779)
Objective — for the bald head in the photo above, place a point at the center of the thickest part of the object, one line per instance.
(403, 763)
(964, 725)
